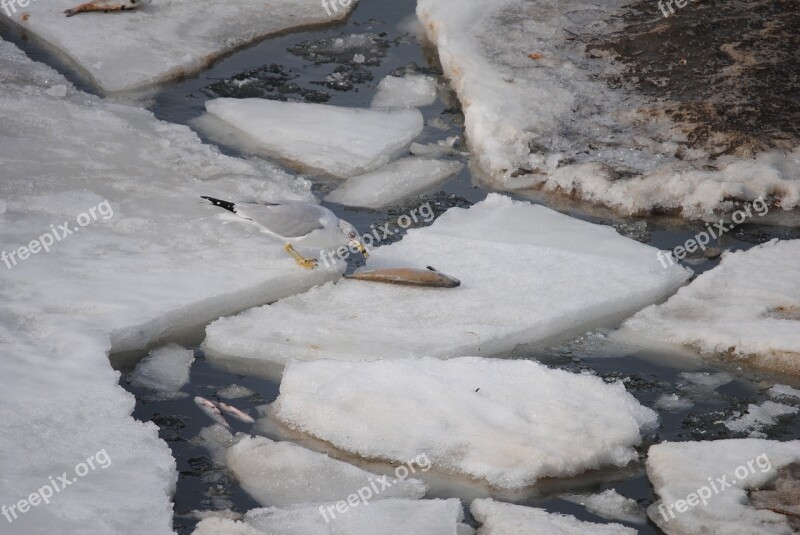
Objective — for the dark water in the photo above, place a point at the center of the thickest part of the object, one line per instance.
(295, 67)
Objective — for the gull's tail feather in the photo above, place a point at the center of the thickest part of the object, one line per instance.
(229, 206)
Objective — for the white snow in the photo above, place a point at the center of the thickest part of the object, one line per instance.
(530, 273)
(387, 517)
(282, 474)
(610, 505)
(339, 141)
(500, 518)
(165, 371)
(508, 422)
(411, 91)
(758, 417)
(225, 526)
(162, 41)
(680, 469)
(732, 314)
(538, 113)
(673, 402)
(392, 183)
(161, 266)
(785, 391)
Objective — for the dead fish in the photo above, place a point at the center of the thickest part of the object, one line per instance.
(408, 276)
(211, 410)
(106, 5)
(236, 413)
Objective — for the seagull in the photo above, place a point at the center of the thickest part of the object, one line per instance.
(301, 223)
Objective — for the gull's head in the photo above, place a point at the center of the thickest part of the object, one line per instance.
(351, 237)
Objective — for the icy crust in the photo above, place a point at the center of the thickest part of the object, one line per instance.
(339, 141)
(387, 517)
(161, 264)
(411, 91)
(392, 183)
(538, 115)
(161, 41)
(283, 474)
(527, 274)
(733, 314)
(498, 518)
(164, 372)
(610, 505)
(507, 422)
(678, 469)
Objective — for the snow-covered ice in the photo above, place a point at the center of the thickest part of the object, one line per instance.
(673, 402)
(680, 469)
(784, 391)
(282, 473)
(538, 113)
(342, 142)
(161, 41)
(757, 417)
(610, 505)
(392, 183)
(732, 314)
(508, 422)
(410, 91)
(161, 266)
(500, 518)
(527, 274)
(393, 516)
(165, 371)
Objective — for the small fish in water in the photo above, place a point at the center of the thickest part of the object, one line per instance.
(211, 410)
(106, 5)
(408, 276)
(236, 413)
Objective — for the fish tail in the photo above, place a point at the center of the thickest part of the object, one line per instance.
(229, 206)
(70, 12)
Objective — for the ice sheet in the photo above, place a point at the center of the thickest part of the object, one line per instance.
(500, 518)
(527, 274)
(281, 474)
(538, 112)
(154, 262)
(610, 505)
(394, 182)
(165, 371)
(339, 141)
(508, 422)
(757, 417)
(680, 469)
(732, 314)
(411, 91)
(162, 41)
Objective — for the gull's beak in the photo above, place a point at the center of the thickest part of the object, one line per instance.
(360, 246)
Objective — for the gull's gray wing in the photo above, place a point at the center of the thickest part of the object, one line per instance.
(291, 220)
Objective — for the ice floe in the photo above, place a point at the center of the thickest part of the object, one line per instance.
(165, 371)
(784, 391)
(410, 91)
(234, 391)
(704, 486)
(758, 417)
(392, 183)
(673, 402)
(500, 518)
(508, 422)
(339, 141)
(161, 41)
(732, 314)
(149, 261)
(281, 474)
(538, 113)
(610, 505)
(527, 274)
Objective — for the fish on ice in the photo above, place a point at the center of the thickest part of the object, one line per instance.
(106, 5)
(211, 410)
(236, 413)
(408, 276)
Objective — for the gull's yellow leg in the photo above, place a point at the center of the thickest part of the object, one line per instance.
(308, 263)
